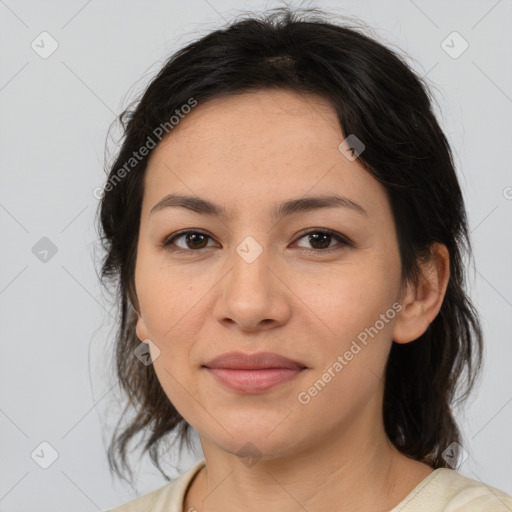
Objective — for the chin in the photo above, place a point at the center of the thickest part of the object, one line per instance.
(244, 440)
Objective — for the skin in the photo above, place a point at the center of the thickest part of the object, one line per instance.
(247, 153)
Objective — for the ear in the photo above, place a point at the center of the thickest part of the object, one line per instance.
(136, 318)
(422, 302)
(141, 329)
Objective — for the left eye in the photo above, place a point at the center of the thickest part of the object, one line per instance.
(196, 240)
(323, 238)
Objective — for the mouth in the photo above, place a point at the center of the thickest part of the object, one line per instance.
(253, 373)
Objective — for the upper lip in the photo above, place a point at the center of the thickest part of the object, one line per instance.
(259, 360)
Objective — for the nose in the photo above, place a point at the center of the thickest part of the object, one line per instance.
(252, 296)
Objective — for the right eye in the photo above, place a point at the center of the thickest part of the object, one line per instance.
(192, 240)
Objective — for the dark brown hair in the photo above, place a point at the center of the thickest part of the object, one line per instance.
(381, 100)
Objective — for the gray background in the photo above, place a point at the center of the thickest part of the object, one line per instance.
(57, 331)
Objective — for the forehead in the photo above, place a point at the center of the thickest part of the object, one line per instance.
(267, 119)
(258, 147)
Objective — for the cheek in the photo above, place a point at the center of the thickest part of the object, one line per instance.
(166, 297)
(354, 312)
(357, 315)
(345, 301)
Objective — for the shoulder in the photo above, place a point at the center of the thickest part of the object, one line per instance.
(168, 498)
(448, 490)
(470, 495)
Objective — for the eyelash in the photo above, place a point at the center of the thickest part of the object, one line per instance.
(344, 241)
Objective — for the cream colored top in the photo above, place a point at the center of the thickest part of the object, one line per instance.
(444, 490)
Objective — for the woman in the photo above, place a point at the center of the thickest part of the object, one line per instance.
(286, 229)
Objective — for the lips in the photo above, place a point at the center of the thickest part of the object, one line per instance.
(253, 373)
(257, 361)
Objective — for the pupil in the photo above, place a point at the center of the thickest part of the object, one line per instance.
(326, 236)
(192, 237)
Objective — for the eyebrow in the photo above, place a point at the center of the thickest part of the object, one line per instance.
(287, 208)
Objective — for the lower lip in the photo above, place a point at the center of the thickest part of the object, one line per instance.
(253, 381)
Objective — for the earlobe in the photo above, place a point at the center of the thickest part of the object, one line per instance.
(422, 301)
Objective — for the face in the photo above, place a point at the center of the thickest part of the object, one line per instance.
(316, 285)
